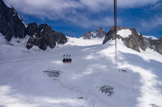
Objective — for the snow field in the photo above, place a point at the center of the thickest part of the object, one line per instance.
(24, 84)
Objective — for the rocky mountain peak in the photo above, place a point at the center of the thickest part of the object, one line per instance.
(99, 33)
(132, 39)
(43, 36)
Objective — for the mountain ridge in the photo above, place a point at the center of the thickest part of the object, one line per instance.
(12, 25)
(133, 39)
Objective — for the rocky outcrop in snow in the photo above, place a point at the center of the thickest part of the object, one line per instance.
(100, 33)
(132, 39)
(12, 25)
(44, 36)
(157, 44)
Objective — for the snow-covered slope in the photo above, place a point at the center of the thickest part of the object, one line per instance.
(150, 37)
(124, 33)
(82, 42)
(23, 82)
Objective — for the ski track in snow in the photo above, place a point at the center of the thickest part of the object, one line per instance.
(24, 84)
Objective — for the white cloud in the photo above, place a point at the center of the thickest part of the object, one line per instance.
(56, 6)
(44, 7)
(88, 22)
(152, 23)
(157, 6)
(98, 5)
(155, 20)
(74, 11)
(135, 3)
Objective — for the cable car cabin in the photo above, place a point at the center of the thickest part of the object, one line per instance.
(67, 59)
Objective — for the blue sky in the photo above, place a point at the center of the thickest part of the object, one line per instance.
(75, 17)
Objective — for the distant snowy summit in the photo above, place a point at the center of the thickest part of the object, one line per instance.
(99, 33)
(132, 39)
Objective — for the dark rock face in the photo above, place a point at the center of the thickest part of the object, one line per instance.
(135, 41)
(100, 33)
(157, 45)
(43, 36)
(31, 29)
(87, 35)
(110, 35)
(60, 38)
(11, 25)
